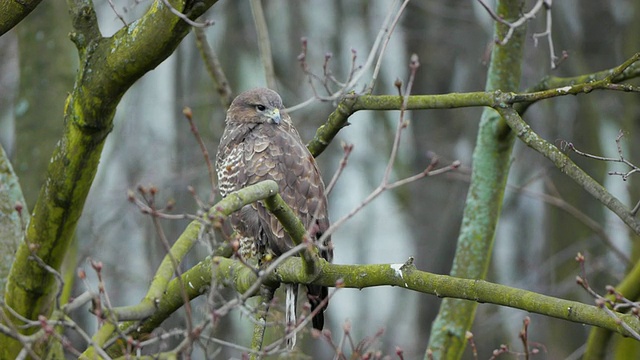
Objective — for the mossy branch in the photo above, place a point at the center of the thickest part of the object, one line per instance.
(235, 274)
(630, 70)
(158, 288)
(564, 164)
(547, 88)
(296, 230)
(13, 11)
(247, 282)
(408, 277)
(241, 275)
(260, 326)
(598, 337)
(108, 67)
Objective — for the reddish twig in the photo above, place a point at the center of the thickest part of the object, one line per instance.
(355, 73)
(607, 305)
(188, 114)
(385, 183)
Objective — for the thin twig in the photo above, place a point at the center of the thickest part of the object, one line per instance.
(385, 184)
(52, 271)
(11, 330)
(413, 66)
(635, 209)
(522, 20)
(560, 203)
(113, 7)
(355, 74)
(160, 212)
(347, 149)
(174, 262)
(212, 63)
(395, 21)
(188, 114)
(298, 326)
(492, 13)
(524, 336)
(601, 301)
(620, 158)
(548, 34)
(264, 43)
(184, 17)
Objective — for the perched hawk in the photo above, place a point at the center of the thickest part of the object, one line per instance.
(260, 143)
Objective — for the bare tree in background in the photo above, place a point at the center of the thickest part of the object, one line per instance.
(199, 290)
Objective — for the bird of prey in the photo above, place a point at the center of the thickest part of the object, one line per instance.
(260, 143)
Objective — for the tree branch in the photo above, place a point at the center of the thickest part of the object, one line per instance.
(564, 164)
(548, 88)
(296, 230)
(233, 273)
(631, 71)
(108, 67)
(158, 288)
(292, 269)
(214, 68)
(13, 11)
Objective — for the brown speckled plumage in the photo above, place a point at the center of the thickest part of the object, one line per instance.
(260, 143)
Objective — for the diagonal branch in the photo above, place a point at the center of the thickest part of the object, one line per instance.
(13, 11)
(296, 230)
(564, 164)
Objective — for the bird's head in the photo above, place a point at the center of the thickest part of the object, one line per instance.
(258, 105)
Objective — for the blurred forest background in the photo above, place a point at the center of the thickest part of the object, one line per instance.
(543, 223)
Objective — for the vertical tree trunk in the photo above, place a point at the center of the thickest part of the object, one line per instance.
(491, 162)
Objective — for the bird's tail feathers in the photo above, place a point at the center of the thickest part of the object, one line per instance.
(318, 298)
(291, 299)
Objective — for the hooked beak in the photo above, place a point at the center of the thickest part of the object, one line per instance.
(274, 116)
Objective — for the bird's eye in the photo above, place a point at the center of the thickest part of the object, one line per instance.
(260, 107)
